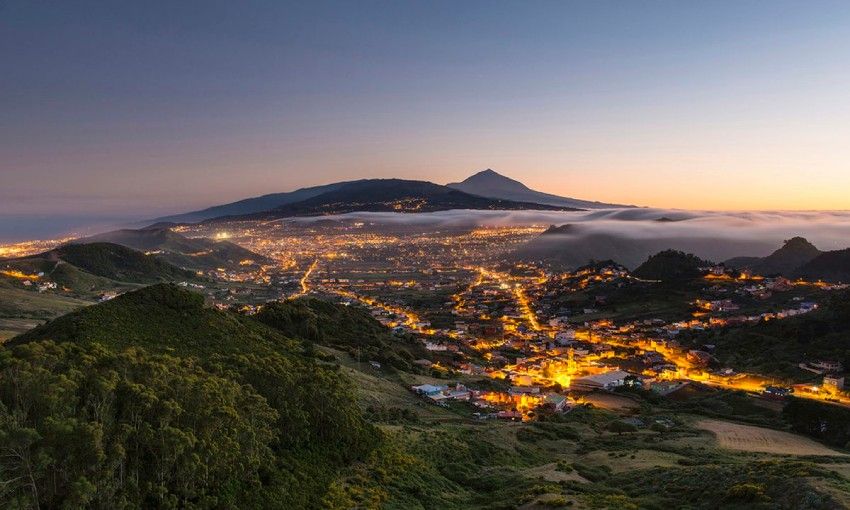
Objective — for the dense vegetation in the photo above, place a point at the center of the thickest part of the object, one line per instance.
(348, 328)
(119, 263)
(828, 423)
(775, 347)
(85, 270)
(151, 400)
(671, 265)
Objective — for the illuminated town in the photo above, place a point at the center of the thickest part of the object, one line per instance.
(545, 335)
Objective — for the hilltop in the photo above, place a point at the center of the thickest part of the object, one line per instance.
(798, 258)
(94, 267)
(671, 265)
(491, 184)
(250, 205)
(194, 253)
(794, 253)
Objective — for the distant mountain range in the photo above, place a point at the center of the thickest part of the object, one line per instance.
(484, 190)
(491, 184)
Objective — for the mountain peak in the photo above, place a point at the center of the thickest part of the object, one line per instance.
(491, 180)
(798, 243)
(492, 184)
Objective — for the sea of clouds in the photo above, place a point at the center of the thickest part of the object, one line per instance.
(714, 234)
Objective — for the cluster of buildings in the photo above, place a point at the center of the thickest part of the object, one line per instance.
(518, 403)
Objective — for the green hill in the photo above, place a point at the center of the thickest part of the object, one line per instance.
(671, 265)
(776, 347)
(347, 328)
(195, 253)
(118, 263)
(152, 400)
(85, 270)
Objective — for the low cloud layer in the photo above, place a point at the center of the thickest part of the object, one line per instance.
(711, 234)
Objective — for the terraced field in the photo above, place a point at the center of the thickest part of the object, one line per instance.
(736, 436)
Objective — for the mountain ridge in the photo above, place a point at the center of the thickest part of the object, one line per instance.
(486, 184)
(390, 195)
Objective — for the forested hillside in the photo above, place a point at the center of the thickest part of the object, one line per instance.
(153, 401)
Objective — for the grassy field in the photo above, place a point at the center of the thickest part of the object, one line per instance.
(22, 310)
(748, 438)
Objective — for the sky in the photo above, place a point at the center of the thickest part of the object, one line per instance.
(137, 109)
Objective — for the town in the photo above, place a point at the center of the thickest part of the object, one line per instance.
(548, 337)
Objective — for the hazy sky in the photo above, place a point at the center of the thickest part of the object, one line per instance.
(135, 108)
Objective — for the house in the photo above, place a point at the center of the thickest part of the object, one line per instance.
(699, 358)
(565, 337)
(828, 365)
(524, 390)
(428, 389)
(780, 285)
(559, 403)
(424, 363)
(509, 415)
(834, 382)
(604, 381)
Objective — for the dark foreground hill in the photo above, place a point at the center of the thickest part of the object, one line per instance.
(195, 253)
(117, 262)
(151, 400)
(831, 266)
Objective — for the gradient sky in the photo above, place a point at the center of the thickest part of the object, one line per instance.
(142, 108)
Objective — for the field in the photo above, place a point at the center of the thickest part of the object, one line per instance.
(611, 402)
(747, 438)
(21, 310)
